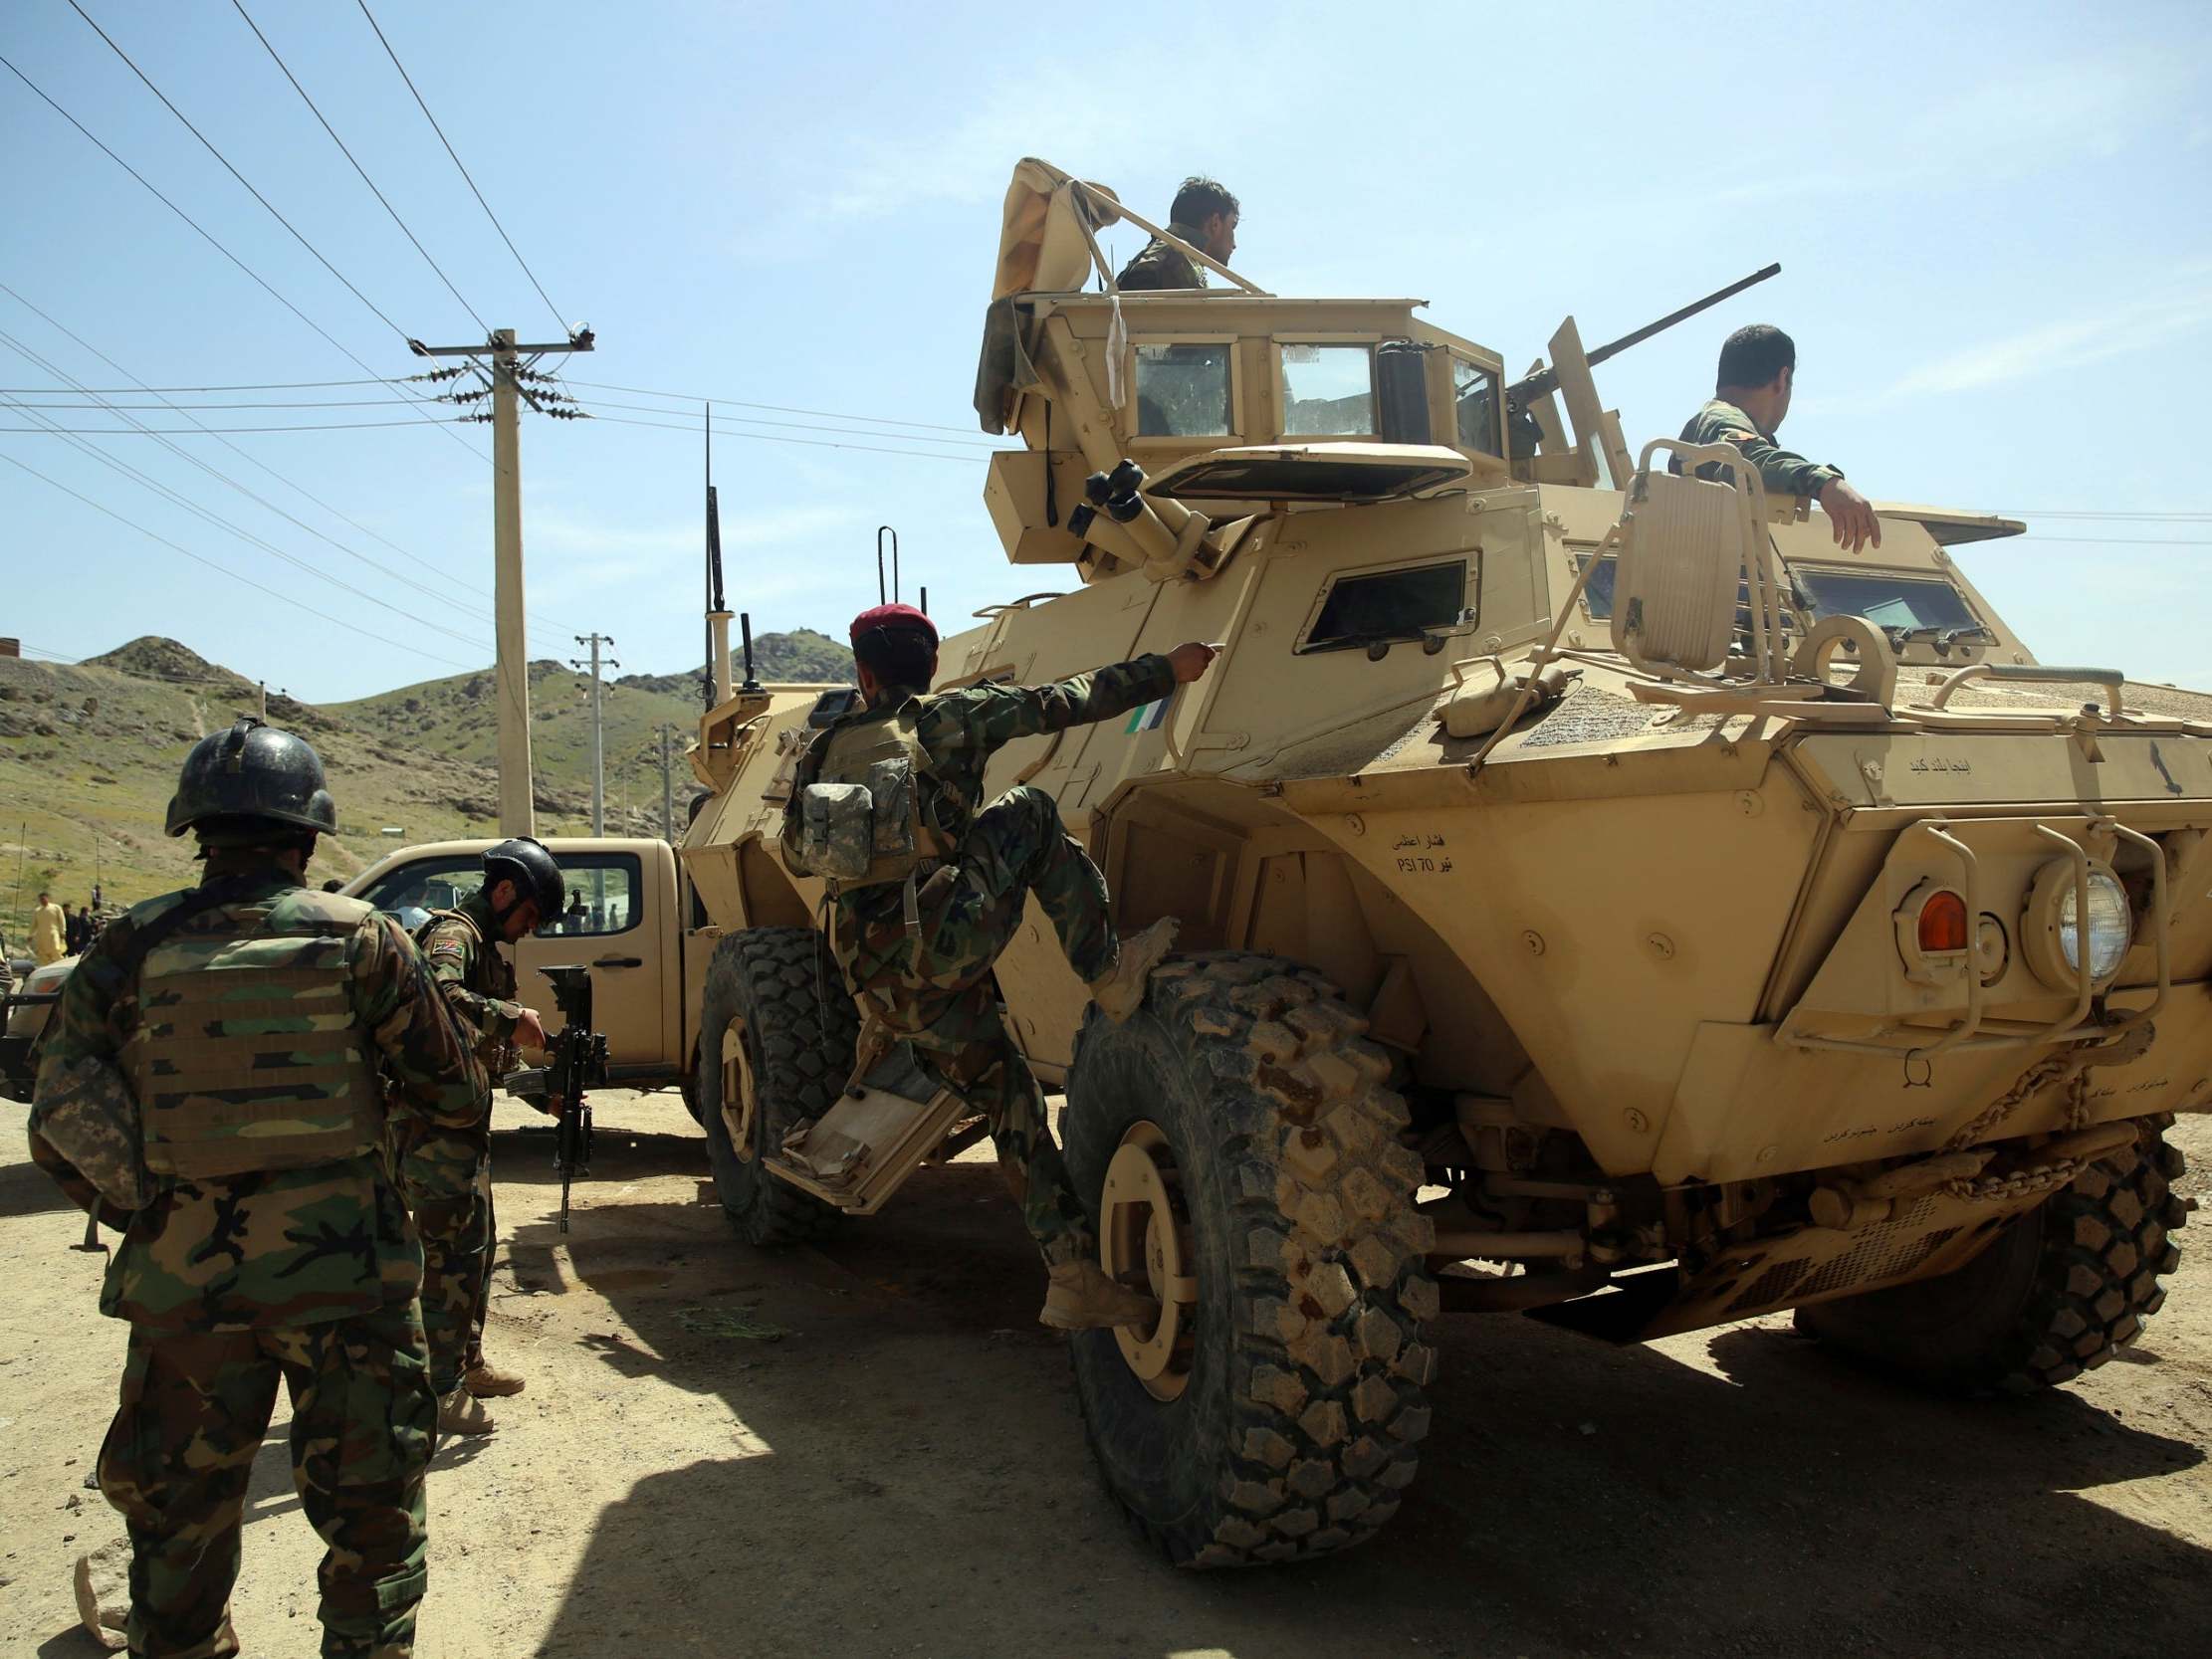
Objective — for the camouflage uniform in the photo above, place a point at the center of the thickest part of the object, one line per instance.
(1160, 265)
(934, 988)
(308, 1274)
(1783, 472)
(479, 986)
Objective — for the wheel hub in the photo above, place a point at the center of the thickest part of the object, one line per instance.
(737, 1090)
(1145, 1242)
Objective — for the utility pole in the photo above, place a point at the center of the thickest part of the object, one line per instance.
(504, 363)
(668, 810)
(599, 734)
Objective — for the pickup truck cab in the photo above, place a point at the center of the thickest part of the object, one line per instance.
(631, 918)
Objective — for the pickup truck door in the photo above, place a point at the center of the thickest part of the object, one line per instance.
(616, 922)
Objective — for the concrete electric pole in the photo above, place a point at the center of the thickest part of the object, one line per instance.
(503, 360)
(668, 799)
(598, 730)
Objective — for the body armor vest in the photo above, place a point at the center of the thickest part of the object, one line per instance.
(247, 1057)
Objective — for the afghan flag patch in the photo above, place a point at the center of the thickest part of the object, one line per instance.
(1149, 718)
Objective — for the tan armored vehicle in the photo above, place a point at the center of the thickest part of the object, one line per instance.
(1601, 899)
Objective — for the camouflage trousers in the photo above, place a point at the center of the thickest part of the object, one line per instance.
(460, 1237)
(934, 988)
(180, 1454)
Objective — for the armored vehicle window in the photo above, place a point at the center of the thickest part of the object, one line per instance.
(1474, 396)
(1891, 600)
(601, 898)
(1183, 392)
(1328, 390)
(1389, 605)
(1597, 593)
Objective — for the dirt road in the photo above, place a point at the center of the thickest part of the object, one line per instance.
(872, 1449)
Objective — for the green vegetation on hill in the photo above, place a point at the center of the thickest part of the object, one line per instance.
(89, 754)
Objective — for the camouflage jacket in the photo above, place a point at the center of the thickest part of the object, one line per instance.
(1783, 472)
(1160, 265)
(478, 981)
(961, 730)
(279, 1247)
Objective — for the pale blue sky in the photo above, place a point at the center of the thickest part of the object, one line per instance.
(1992, 222)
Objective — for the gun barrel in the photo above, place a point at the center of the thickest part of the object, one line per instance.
(1545, 381)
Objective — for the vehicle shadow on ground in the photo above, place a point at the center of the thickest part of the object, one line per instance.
(916, 1483)
(26, 1189)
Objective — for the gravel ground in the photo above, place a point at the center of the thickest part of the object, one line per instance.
(872, 1448)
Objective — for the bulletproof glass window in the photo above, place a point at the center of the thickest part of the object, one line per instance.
(1183, 392)
(411, 892)
(1597, 593)
(1474, 398)
(1893, 601)
(1387, 606)
(602, 892)
(1328, 391)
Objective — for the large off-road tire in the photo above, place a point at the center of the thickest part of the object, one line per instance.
(774, 1011)
(2059, 1292)
(1281, 1420)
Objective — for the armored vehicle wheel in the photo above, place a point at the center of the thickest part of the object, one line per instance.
(777, 1035)
(1240, 1149)
(2059, 1292)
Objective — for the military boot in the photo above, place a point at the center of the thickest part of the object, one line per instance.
(1120, 991)
(1081, 1297)
(461, 1412)
(487, 1381)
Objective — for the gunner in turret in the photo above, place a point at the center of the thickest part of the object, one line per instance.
(1203, 214)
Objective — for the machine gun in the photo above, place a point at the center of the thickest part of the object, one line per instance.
(579, 1063)
(1520, 425)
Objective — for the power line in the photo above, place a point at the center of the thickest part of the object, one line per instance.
(811, 442)
(796, 426)
(209, 238)
(177, 498)
(186, 409)
(357, 168)
(262, 386)
(449, 150)
(226, 570)
(772, 408)
(291, 483)
(224, 477)
(209, 431)
(234, 172)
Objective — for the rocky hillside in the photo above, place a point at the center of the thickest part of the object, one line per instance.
(801, 657)
(89, 755)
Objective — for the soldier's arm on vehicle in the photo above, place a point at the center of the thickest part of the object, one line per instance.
(992, 715)
(432, 1068)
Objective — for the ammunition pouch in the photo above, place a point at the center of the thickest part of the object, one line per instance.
(860, 824)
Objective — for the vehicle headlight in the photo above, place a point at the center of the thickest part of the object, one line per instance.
(2054, 932)
(2111, 924)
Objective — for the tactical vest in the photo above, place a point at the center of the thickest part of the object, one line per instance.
(247, 1057)
(860, 821)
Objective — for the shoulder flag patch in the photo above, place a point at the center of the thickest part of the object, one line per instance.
(1150, 716)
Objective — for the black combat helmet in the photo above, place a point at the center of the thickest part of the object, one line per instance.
(524, 862)
(238, 785)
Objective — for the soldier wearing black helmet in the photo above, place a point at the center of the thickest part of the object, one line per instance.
(521, 886)
(219, 1084)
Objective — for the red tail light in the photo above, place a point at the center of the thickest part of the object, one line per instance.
(1943, 921)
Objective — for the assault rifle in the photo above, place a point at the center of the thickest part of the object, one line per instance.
(579, 1063)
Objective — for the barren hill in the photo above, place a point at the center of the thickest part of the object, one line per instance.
(89, 753)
